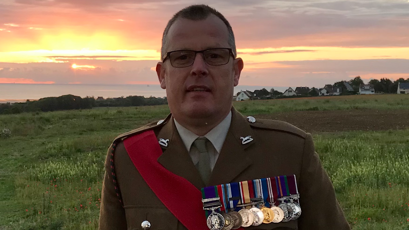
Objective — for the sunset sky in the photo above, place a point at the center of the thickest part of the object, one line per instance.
(282, 42)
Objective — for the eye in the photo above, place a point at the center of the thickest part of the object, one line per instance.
(181, 57)
(214, 56)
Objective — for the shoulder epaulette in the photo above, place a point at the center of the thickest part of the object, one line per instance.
(146, 127)
(112, 148)
(277, 125)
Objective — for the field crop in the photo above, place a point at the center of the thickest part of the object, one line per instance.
(53, 163)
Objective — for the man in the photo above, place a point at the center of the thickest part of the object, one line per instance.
(199, 70)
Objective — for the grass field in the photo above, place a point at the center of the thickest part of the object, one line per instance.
(52, 165)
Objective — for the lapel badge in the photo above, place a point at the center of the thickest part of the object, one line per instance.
(163, 142)
(160, 122)
(251, 119)
(246, 140)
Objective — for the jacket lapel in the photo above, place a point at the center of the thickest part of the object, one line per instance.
(234, 157)
(175, 157)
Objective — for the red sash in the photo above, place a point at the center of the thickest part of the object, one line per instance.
(181, 197)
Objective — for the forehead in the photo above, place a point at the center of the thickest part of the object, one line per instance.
(197, 35)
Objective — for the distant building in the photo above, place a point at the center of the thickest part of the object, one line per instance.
(366, 89)
(348, 86)
(336, 91)
(244, 95)
(302, 91)
(323, 92)
(100, 99)
(289, 92)
(403, 88)
(314, 92)
(326, 91)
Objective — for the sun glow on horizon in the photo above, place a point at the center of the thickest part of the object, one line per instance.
(66, 55)
(75, 66)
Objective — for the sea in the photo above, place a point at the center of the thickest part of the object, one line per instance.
(22, 92)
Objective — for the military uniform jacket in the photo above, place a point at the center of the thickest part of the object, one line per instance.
(278, 148)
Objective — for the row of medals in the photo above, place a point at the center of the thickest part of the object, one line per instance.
(251, 215)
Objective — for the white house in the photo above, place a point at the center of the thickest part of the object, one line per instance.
(336, 91)
(289, 92)
(403, 88)
(366, 89)
(325, 92)
(243, 96)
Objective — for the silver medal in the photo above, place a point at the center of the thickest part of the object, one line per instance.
(247, 216)
(287, 212)
(215, 221)
(258, 216)
(297, 211)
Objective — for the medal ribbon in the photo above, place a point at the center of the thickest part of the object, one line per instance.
(276, 189)
(284, 185)
(209, 192)
(251, 190)
(222, 195)
(280, 188)
(233, 195)
(292, 184)
(258, 192)
(244, 192)
(271, 188)
(265, 193)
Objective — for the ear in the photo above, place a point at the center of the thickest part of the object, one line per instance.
(160, 71)
(238, 67)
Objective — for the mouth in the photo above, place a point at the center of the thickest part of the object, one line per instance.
(198, 89)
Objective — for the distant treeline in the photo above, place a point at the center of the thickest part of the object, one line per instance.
(68, 102)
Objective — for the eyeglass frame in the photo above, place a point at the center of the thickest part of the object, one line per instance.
(196, 52)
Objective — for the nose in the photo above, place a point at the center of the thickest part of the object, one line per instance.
(199, 67)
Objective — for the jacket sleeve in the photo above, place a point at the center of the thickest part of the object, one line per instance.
(320, 208)
(112, 213)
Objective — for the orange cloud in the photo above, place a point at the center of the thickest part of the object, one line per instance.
(23, 81)
(11, 25)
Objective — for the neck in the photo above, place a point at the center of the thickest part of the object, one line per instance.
(200, 126)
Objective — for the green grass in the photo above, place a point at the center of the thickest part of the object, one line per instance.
(52, 165)
(382, 102)
(370, 174)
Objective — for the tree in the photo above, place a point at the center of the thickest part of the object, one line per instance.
(261, 93)
(356, 83)
(377, 85)
(385, 82)
(313, 92)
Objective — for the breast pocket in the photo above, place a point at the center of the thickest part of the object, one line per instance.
(159, 218)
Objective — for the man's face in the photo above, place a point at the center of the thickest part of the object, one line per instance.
(200, 91)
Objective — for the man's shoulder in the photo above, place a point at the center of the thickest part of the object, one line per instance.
(276, 126)
(150, 126)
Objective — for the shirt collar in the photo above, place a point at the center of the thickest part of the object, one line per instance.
(216, 136)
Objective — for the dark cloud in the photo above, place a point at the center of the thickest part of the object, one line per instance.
(355, 7)
(276, 52)
(374, 66)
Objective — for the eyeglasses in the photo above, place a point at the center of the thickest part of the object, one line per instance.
(185, 58)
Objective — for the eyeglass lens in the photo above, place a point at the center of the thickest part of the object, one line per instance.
(184, 58)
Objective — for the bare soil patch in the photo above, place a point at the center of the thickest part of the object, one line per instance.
(344, 120)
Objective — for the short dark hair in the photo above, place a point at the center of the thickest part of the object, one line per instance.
(197, 13)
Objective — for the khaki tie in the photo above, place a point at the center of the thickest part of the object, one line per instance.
(204, 159)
